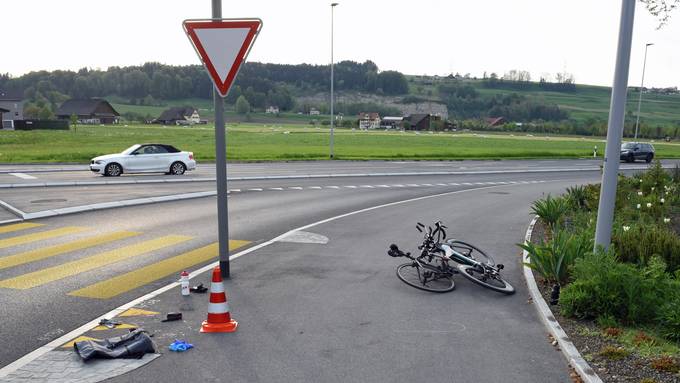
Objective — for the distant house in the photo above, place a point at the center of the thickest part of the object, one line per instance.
(419, 121)
(13, 104)
(3, 111)
(388, 122)
(369, 120)
(494, 121)
(272, 110)
(91, 111)
(181, 115)
(314, 112)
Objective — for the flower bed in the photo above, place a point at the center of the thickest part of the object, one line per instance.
(621, 308)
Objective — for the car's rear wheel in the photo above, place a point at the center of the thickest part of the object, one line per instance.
(631, 158)
(177, 168)
(113, 170)
(649, 158)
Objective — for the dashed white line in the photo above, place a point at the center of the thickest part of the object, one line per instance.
(295, 188)
(314, 187)
(350, 186)
(441, 184)
(23, 176)
(332, 187)
(278, 189)
(366, 186)
(383, 186)
(255, 189)
(398, 186)
(233, 190)
(413, 185)
(454, 184)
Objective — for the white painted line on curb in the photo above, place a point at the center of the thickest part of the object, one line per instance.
(565, 345)
(8, 369)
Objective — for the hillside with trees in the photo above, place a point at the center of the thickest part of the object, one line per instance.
(554, 104)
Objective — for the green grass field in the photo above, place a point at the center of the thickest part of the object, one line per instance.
(250, 142)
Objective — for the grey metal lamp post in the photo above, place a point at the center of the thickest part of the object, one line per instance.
(332, 101)
(642, 83)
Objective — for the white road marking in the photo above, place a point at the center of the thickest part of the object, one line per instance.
(295, 188)
(441, 184)
(467, 183)
(276, 189)
(305, 237)
(454, 184)
(427, 185)
(234, 190)
(413, 185)
(314, 187)
(255, 189)
(366, 186)
(23, 176)
(332, 187)
(398, 186)
(383, 186)
(350, 186)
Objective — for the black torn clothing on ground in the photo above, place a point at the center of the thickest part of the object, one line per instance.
(109, 323)
(134, 344)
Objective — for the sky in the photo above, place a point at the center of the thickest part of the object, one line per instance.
(430, 37)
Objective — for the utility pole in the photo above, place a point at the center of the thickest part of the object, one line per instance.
(642, 84)
(332, 101)
(221, 169)
(605, 211)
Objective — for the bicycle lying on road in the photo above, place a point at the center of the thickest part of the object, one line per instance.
(431, 271)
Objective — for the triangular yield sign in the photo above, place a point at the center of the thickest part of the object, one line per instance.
(222, 46)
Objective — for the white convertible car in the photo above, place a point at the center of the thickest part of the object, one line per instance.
(144, 158)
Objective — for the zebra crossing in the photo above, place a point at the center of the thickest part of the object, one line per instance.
(58, 254)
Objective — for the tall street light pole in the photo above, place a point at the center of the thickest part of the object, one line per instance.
(332, 101)
(642, 83)
(605, 211)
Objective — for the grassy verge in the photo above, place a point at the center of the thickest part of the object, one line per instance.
(250, 142)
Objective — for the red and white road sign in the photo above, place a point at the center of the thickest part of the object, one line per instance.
(222, 45)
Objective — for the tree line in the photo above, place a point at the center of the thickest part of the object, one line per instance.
(148, 84)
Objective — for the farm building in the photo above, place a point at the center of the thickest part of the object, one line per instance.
(91, 111)
(369, 120)
(182, 115)
(419, 121)
(388, 122)
(12, 103)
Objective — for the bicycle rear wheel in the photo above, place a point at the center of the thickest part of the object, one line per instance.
(422, 278)
(493, 282)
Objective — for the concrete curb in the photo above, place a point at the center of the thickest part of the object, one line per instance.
(103, 205)
(566, 346)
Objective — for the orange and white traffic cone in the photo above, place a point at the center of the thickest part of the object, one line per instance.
(219, 319)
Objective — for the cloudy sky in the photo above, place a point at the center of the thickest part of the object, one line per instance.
(414, 37)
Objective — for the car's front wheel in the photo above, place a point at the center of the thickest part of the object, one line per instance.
(177, 168)
(113, 170)
(649, 158)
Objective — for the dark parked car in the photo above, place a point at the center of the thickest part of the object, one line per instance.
(631, 151)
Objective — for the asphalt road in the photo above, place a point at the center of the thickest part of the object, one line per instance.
(501, 335)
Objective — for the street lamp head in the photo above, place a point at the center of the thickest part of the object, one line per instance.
(334, 4)
(648, 44)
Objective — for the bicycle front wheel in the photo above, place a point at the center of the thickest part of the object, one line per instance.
(493, 282)
(421, 278)
(471, 251)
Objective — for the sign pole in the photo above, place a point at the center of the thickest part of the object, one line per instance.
(605, 211)
(221, 169)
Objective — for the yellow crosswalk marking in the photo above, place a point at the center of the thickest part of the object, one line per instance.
(18, 226)
(134, 312)
(28, 238)
(40, 277)
(46, 252)
(78, 339)
(129, 281)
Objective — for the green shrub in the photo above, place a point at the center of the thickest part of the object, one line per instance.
(669, 318)
(655, 177)
(554, 260)
(641, 242)
(550, 210)
(675, 173)
(603, 286)
(613, 353)
(577, 197)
